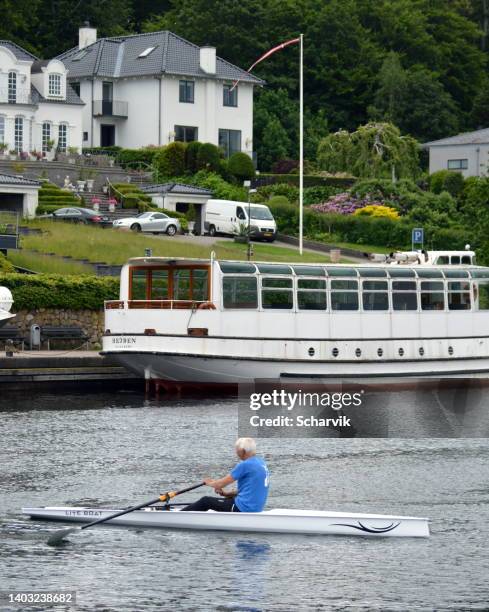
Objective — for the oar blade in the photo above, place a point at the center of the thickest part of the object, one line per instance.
(58, 537)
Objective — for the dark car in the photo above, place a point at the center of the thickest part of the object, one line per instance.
(81, 215)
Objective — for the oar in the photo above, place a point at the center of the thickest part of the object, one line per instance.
(59, 536)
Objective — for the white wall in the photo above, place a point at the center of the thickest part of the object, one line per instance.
(56, 114)
(8, 63)
(477, 156)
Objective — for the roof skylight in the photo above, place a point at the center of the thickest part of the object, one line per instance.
(80, 55)
(147, 51)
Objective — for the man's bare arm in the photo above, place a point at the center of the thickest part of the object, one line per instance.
(220, 483)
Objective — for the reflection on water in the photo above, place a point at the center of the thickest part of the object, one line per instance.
(119, 450)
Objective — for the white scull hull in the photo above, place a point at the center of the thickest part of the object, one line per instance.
(271, 521)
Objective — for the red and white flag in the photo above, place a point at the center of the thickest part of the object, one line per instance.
(267, 54)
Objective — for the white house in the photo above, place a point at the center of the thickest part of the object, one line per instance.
(37, 104)
(152, 89)
(467, 153)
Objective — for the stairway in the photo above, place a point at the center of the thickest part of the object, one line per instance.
(119, 212)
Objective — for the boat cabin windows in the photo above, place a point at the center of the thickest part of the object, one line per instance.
(311, 294)
(482, 294)
(432, 295)
(240, 292)
(169, 283)
(277, 293)
(455, 260)
(344, 295)
(375, 295)
(404, 295)
(459, 295)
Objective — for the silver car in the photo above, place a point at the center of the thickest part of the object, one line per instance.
(154, 222)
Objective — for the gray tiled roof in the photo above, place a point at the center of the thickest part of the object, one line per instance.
(71, 97)
(9, 179)
(119, 57)
(176, 188)
(477, 137)
(19, 52)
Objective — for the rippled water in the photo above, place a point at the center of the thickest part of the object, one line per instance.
(120, 450)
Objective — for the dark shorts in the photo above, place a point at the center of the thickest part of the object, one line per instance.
(207, 502)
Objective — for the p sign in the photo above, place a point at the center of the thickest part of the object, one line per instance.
(417, 236)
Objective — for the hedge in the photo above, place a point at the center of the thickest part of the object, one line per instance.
(5, 265)
(58, 291)
(310, 180)
(44, 209)
(362, 230)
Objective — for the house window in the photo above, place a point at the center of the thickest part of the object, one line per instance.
(19, 134)
(230, 141)
(54, 87)
(187, 91)
(76, 87)
(458, 164)
(12, 87)
(2, 129)
(230, 95)
(46, 136)
(185, 133)
(62, 137)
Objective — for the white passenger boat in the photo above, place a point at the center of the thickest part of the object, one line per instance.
(269, 521)
(411, 316)
(6, 301)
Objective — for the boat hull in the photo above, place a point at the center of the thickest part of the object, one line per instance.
(214, 370)
(307, 522)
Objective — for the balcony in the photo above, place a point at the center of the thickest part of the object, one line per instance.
(110, 108)
(18, 96)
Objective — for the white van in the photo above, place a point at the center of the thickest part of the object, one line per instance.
(227, 217)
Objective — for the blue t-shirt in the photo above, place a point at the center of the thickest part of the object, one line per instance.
(252, 477)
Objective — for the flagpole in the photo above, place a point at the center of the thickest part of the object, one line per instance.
(301, 144)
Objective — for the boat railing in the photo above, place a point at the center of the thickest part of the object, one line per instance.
(158, 304)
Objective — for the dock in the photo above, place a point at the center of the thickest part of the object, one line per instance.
(66, 368)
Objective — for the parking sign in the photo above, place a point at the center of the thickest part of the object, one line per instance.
(417, 236)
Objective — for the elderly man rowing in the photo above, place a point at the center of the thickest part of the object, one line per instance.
(252, 477)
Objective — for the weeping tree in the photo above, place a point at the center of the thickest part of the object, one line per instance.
(375, 150)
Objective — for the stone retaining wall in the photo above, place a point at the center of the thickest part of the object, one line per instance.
(90, 321)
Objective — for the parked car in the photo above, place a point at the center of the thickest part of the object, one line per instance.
(81, 215)
(154, 222)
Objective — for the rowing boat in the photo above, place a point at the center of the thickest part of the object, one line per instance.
(269, 521)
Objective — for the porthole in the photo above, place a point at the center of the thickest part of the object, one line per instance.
(335, 352)
(380, 352)
(401, 352)
(311, 352)
(421, 351)
(358, 352)
(450, 350)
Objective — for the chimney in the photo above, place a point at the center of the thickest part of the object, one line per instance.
(208, 59)
(86, 35)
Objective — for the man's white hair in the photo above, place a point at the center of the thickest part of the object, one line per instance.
(246, 444)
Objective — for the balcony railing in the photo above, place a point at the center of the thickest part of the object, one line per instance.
(109, 108)
(18, 96)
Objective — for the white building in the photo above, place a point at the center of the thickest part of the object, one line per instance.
(152, 89)
(467, 153)
(37, 105)
(19, 195)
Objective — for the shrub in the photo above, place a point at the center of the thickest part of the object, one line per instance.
(437, 180)
(278, 200)
(377, 210)
(46, 209)
(454, 184)
(130, 157)
(191, 156)
(241, 166)
(132, 200)
(282, 189)
(5, 265)
(315, 195)
(285, 166)
(208, 158)
(170, 160)
(220, 188)
(56, 291)
(310, 180)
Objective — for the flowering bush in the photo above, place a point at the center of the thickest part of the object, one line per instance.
(343, 204)
(377, 210)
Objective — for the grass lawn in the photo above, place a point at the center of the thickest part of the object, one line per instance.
(44, 263)
(116, 247)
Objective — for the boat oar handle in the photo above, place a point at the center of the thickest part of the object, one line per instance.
(163, 497)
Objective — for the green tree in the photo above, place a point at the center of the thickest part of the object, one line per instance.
(170, 161)
(375, 150)
(208, 157)
(480, 109)
(273, 144)
(389, 98)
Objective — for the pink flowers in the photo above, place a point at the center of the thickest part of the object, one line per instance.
(343, 204)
